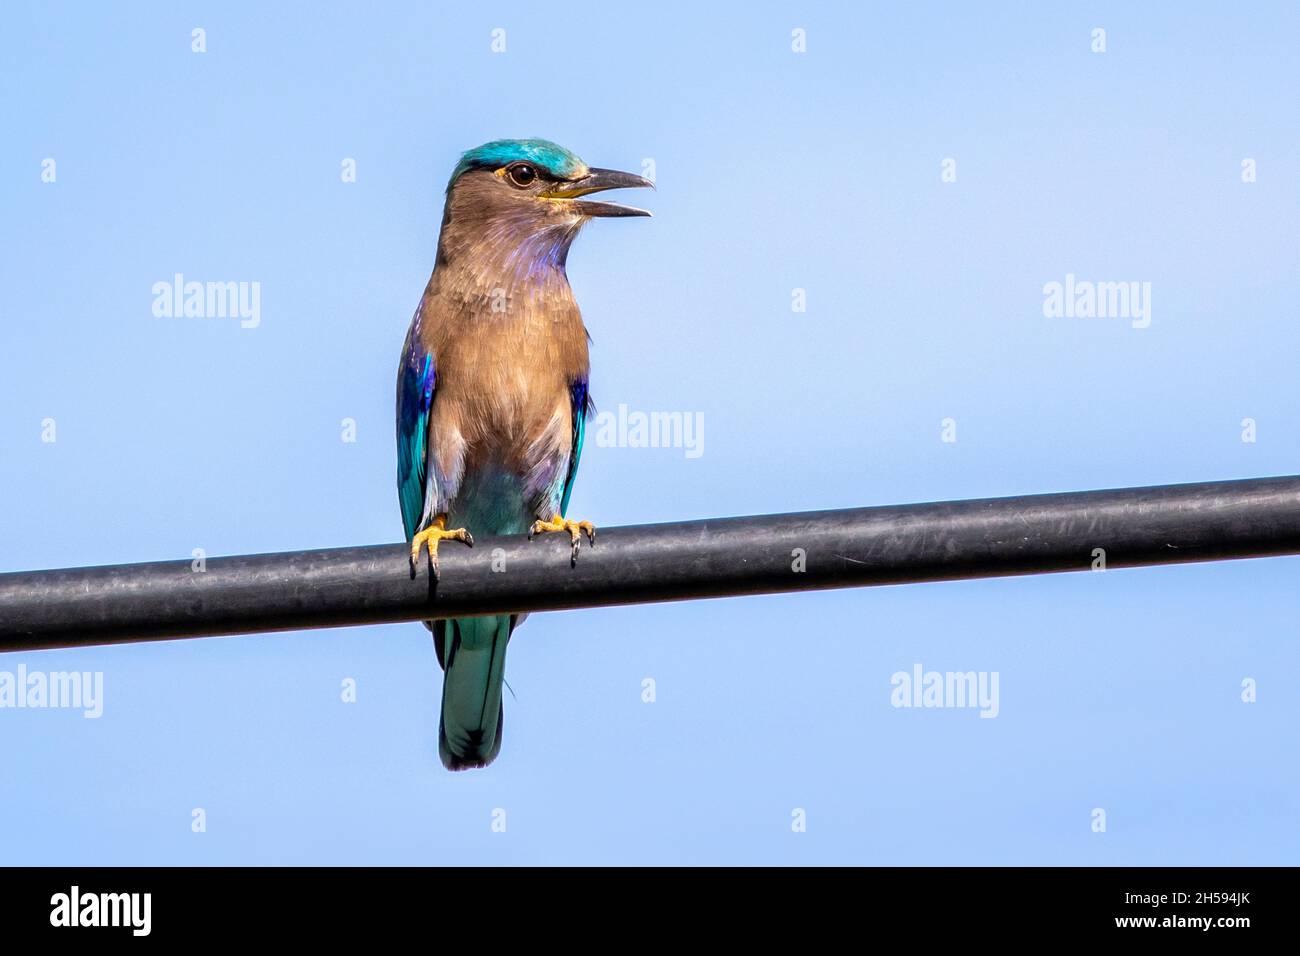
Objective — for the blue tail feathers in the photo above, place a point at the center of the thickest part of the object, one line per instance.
(472, 652)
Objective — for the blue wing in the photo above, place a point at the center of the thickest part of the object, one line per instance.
(581, 406)
(414, 399)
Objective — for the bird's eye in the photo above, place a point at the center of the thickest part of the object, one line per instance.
(522, 174)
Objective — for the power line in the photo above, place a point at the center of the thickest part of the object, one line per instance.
(718, 557)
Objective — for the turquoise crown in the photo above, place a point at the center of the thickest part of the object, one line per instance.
(557, 160)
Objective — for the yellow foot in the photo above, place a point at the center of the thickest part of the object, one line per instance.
(575, 529)
(430, 537)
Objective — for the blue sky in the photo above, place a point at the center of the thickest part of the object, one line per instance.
(776, 171)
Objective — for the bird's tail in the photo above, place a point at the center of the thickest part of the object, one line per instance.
(472, 651)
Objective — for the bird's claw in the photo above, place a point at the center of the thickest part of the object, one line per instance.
(576, 530)
(429, 538)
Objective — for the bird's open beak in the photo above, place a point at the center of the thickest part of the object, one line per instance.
(596, 181)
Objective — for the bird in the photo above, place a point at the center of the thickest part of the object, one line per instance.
(492, 395)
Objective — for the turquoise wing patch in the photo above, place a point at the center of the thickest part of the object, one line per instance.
(581, 406)
(415, 398)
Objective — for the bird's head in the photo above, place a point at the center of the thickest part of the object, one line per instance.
(526, 194)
